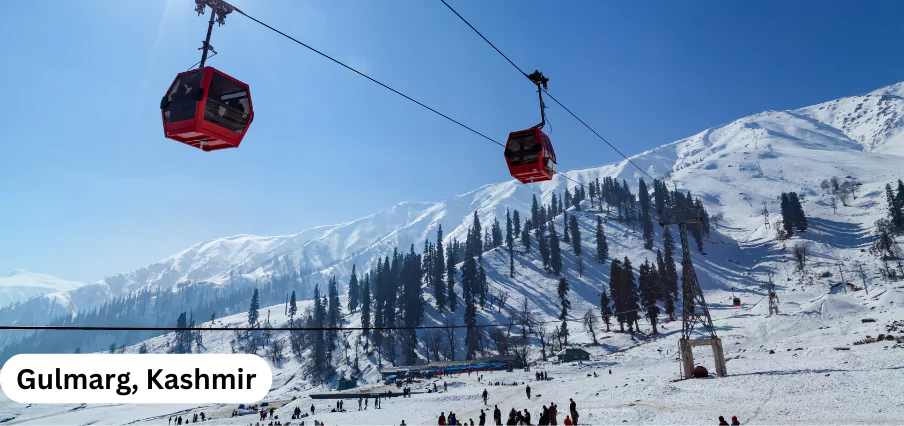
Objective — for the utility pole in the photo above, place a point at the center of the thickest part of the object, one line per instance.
(843, 282)
(766, 215)
(863, 277)
(692, 297)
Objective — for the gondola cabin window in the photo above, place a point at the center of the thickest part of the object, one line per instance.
(227, 104)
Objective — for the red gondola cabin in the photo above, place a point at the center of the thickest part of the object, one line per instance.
(207, 109)
(530, 156)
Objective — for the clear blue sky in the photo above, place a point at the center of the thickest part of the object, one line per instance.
(90, 186)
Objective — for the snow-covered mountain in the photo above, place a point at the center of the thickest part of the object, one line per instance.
(733, 167)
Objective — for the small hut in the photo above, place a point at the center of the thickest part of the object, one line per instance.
(348, 383)
(573, 354)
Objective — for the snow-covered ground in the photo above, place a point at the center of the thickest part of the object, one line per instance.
(806, 380)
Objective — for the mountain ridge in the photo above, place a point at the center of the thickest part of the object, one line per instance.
(874, 122)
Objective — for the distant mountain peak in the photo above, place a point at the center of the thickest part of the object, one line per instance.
(17, 271)
(896, 89)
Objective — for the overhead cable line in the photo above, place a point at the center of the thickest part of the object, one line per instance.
(366, 76)
(547, 92)
(201, 328)
(382, 84)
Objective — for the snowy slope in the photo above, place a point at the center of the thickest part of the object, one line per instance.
(734, 168)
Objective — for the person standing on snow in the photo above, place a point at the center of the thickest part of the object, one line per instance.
(734, 421)
(485, 396)
(442, 419)
(483, 418)
(553, 411)
(573, 408)
(497, 416)
(528, 391)
(722, 421)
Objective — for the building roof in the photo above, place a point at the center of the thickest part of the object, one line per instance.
(447, 364)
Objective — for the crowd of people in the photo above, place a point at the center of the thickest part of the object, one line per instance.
(194, 419)
(548, 414)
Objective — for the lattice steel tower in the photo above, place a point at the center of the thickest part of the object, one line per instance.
(694, 310)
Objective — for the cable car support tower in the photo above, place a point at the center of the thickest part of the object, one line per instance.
(695, 312)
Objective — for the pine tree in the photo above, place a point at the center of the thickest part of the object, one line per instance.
(475, 243)
(566, 305)
(439, 271)
(899, 200)
(253, 314)
(561, 207)
(334, 314)
(510, 242)
(577, 201)
(647, 287)
(628, 293)
(469, 285)
(565, 228)
(354, 292)
(602, 248)
(535, 211)
(497, 233)
(319, 358)
(450, 277)
(615, 276)
(895, 206)
(525, 236)
(293, 307)
(543, 245)
(576, 243)
(605, 308)
(516, 221)
(555, 251)
(567, 197)
(554, 205)
(482, 283)
(365, 304)
(645, 218)
(800, 219)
